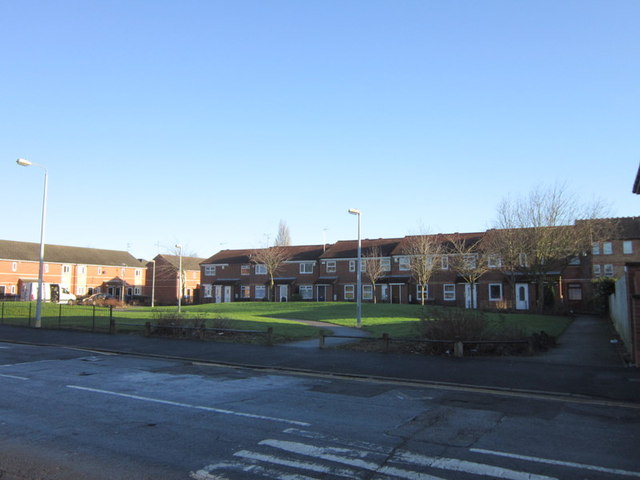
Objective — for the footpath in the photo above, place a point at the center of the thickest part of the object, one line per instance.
(584, 364)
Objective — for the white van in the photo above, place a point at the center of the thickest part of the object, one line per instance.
(51, 292)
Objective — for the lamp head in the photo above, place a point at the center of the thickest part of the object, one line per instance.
(354, 211)
(23, 162)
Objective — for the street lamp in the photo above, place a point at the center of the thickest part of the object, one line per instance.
(179, 247)
(26, 163)
(153, 285)
(357, 212)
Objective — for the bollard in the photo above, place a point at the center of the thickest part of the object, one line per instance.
(112, 322)
(322, 340)
(458, 349)
(59, 316)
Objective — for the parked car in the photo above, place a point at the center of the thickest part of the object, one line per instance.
(99, 299)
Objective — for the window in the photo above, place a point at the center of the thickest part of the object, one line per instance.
(596, 271)
(245, 269)
(331, 266)
(260, 292)
(608, 270)
(444, 262)
(13, 289)
(494, 261)
(349, 292)
(422, 291)
(137, 291)
(306, 292)
(207, 290)
(449, 291)
(100, 271)
(524, 262)
(138, 272)
(210, 270)
(14, 267)
(574, 261)
(470, 261)
(245, 291)
(574, 291)
(81, 290)
(306, 267)
(46, 268)
(385, 264)
(67, 269)
(495, 292)
(607, 248)
(367, 292)
(595, 249)
(627, 247)
(404, 263)
(261, 269)
(352, 265)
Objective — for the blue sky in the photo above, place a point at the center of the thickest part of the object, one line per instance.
(206, 122)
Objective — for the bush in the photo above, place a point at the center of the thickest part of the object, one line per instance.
(174, 324)
(454, 324)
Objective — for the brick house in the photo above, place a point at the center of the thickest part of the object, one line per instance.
(162, 281)
(329, 274)
(83, 271)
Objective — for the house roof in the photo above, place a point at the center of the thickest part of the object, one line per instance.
(295, 253)
(26, 251)
(349, 248)
(188, 263)
(444, 238)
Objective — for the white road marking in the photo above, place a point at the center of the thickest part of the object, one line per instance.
(561, 463)
(457, 465)
(187, 405)
(314, 467)
(15, 377)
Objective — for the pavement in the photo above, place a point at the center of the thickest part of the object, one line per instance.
(585, 365)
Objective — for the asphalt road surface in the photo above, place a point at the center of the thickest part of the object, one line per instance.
(73, 414)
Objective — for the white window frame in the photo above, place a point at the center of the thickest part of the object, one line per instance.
(260, 292)
(207, 290)
(352, 265)
(595, 249)
(574, 291)
(330, 266)
(422, 291)
(470, 260)
(367, 292)
(67, 269)
(261, 269)
(306, 268)
(493, 298)
(385, 264)
(210, 270)
(308, 292)
(14, 266)
(449, 292)
(404, 264)
(608, 270)
(349, 292)
(597, 270)
(137, 291)
(444, 262)
(81, 290)
(523, 261)
(245, 269)
(494, 260)
(607, 248)
(627, 247)
(245, 291)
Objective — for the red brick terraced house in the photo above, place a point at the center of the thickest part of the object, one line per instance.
(162, 281)
(315, 273)
(83, 271)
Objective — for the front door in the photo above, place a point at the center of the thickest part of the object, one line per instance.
(522, 296)
(321, 295)
(227, 293)
(283, 293)
(470, 296)
(396, 293)
(218, 293)
(384, 293)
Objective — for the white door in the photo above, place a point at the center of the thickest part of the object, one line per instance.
(218, 295)
(227, 293)
(522, 296)
(283, 293)
(470, 301)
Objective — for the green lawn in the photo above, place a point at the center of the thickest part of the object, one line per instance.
(396, 320)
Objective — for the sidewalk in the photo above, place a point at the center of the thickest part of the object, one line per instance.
(560, 371)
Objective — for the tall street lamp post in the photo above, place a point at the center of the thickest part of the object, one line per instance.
(27, 163)
(153, 285)
(357, 212)
(179, 247)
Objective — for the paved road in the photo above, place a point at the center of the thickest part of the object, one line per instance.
(73, 414)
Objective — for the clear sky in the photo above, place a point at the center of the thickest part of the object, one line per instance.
(206, 122)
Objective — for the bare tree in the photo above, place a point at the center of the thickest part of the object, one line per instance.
(468, 259)
(540, 233)
(272, 258)
(424, 252)
(283, 239)
(374, 267)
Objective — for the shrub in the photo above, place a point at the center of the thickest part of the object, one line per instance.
(176, 324)
(454, 324)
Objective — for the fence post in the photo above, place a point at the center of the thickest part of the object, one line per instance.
(458, 349)
(93, 315)
(270, 336)
(322, 340)
(385, 339)
(2, 317)
(59, 315)
(30, 313)
(112, 322)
